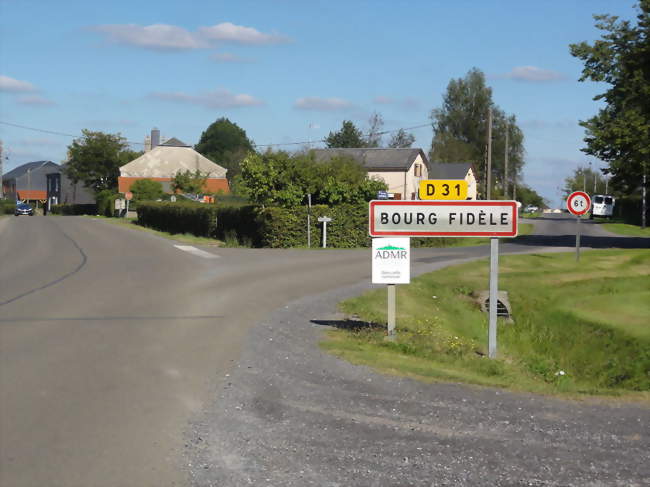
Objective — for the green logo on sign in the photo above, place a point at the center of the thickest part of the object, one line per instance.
(391, 247)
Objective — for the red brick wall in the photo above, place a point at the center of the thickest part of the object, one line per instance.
(212, 185)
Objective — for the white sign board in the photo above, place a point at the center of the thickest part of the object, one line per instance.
(578, 203)
(483, 218)
(391, 260)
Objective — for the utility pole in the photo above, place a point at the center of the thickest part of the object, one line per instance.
(2, 160)
(643, 198)
(489, 155)
(584, 181)
(505, 176)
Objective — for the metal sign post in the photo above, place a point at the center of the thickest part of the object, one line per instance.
(309, 221)
(578, 203)
(324, 220)
(391, 311)
(494, 289)
(391, 264)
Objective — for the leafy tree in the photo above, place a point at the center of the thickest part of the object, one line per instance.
(225, 143)
(583, 179)
(95, 159)
(528, 196)
(349, 136)
(620, 133)
(460, 129)
(376, 125)
(146, 190)
(401, 140)
(281, 179)
(189, 182)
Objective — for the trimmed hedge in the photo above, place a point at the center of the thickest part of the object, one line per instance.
(629, 209)
(65, 209)
(7, 208)
(195, 218)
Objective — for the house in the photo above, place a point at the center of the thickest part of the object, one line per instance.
(29, 181)
(401, 169)
(61, 190)
(456, 170)
(164, 161)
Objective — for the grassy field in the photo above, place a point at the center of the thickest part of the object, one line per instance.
(579, 328)
(628, 230)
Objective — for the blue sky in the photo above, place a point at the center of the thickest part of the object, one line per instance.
(292, 70)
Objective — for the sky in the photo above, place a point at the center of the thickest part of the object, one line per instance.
(292, 71)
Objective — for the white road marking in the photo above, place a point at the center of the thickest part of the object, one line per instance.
(195, 251)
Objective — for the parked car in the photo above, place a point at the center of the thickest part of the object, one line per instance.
(531, 209)
(24, 209)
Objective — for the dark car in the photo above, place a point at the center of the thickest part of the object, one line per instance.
(24, 209)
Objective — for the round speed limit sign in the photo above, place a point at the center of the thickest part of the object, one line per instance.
(578, 203)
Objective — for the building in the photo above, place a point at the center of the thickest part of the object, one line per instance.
(401, 169)
(456, 170)
(62, 191)
(166, 160)
(29, 181)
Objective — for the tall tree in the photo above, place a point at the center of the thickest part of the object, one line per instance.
(584, 179)
(225, 143)
(95, 159)
(375, 128)
(401, 140)
(460, 129)
(620, 133)
(349, 136)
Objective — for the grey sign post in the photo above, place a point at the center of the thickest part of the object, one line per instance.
(309, 221)
(494, 289)
(578, 203)
(324, 220)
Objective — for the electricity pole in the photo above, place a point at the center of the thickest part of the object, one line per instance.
(2, 157)
(643, 198)
(505, 178)
(489, 155)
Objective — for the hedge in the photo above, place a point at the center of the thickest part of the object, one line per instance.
(7, 208)
(629, 210)
(267, 227)
(66, 209)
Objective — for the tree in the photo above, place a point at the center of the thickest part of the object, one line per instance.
(225, 143)
(460, 129)
(583, 179)
(189, 182)
(620, 133)
(95, 159)
(281, 179)
(349, 136)
(146, 190)
(528, 196)
(401, 140)
(376, 125)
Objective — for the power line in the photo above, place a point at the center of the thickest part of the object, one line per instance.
(63, 134)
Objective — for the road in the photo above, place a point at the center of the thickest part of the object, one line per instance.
(115, 347)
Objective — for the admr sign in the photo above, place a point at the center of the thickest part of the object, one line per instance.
(443, 218)
(391, 262)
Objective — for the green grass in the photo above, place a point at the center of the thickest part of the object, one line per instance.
(590, 320)
(629, 230)
(132, 224)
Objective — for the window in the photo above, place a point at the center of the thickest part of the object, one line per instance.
(418, 170)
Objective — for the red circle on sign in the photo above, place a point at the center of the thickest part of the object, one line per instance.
(578, 203)
(128, 195)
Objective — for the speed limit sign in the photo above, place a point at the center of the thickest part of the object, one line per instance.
(578, 203)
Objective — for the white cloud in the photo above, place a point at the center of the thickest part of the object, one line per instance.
(213, 99)
(239, 34)
(15, 85)
(226, 57)
(322, 104)
(35, 100)
(156, 36)
(165, 37)
(533, 74)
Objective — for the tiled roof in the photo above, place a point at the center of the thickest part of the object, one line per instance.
(29, 166)
(449, 170)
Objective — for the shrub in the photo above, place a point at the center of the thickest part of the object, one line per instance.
(7, 207)
(146, 190)
(186, 217)
(106, 202)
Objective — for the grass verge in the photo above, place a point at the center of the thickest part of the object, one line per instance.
(628, 230)
(579, 328)
(132, 224)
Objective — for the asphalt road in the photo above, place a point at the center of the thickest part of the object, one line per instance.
(115, 348)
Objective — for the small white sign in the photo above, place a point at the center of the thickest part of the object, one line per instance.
(391, 260)
(324, 219)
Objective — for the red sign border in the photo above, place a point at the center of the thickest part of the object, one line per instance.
(573, 195)
(490, 203)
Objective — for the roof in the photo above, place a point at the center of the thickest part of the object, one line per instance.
(449, 170)
(166, 161)
(174, 142)
(30, 166)
(375, 159)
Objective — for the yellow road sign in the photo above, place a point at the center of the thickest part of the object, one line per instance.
(443, 189)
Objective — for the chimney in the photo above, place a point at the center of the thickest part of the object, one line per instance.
(155, 138)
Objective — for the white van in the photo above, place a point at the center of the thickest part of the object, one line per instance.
(602, 205)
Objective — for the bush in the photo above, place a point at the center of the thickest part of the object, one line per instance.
(186, 217)
(629, 210)
(74, 209)
(7, 207)
(146, 190)
(106, 202)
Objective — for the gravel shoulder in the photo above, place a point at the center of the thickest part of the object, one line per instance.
(288, 414)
